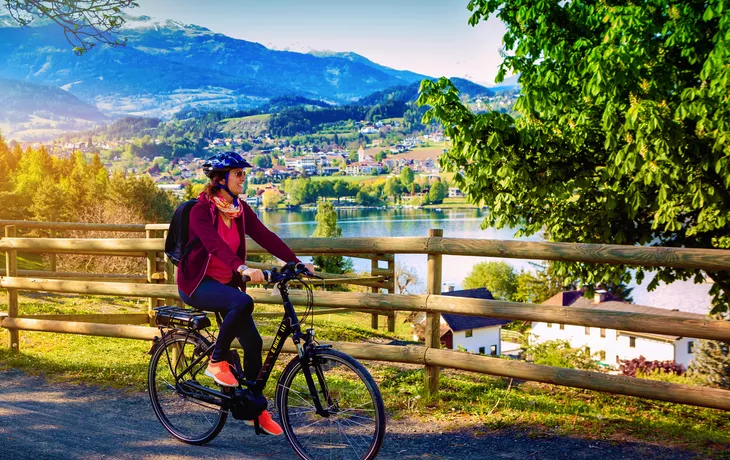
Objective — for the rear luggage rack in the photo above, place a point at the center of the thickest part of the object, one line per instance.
(176, 317)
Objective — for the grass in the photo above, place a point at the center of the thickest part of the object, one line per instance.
(26, 261)
(262, 117)
(482, 403)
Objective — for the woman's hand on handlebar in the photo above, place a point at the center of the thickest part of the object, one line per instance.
(255, 275)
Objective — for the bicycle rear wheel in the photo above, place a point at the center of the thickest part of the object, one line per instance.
(187, 418)
(356, 424)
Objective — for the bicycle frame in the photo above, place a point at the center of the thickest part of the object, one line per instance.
(289, 326)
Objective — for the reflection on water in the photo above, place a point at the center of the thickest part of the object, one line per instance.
(456, 223)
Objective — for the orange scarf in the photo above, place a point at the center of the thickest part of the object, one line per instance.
(230, 210)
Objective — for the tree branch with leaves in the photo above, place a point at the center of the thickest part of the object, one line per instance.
(84, 22)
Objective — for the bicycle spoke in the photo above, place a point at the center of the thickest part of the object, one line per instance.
(185, 417)
(354, 427)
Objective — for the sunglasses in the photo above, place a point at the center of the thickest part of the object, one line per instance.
(239, 174)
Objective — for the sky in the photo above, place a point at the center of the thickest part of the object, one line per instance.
(432, 37)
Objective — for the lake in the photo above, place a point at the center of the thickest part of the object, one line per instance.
(456, 223)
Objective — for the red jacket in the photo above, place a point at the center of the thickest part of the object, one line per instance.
(204, 225)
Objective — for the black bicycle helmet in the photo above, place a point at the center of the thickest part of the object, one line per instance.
(224, 162)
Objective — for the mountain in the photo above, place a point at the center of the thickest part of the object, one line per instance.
(34, 112)
(405, 75)
(167, 65)
(409, 93)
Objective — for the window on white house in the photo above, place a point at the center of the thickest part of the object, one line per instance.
(493, 350)
(482, 350)
(468, 333)
(617, 360)
(603, 333)
(632, 342)
(550, 324)
(690, 347)
(588, 330)
(562, 327)
(588, 350)
(602, 355)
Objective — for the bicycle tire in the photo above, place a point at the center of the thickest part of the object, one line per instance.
(346, 381)
(180, 415)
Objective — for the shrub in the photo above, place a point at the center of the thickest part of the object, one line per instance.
(559, 353)
(640, 366)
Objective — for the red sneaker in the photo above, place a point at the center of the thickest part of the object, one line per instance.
(267, 424)
(221, 373)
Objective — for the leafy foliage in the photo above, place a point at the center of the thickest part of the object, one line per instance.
(327, 228)
(540, 285)
(712, 363)
(499, 277)
(625, 130)
(559, 353)
(640, 365)
(37, 186)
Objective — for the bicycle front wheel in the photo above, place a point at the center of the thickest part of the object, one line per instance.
(190, 419)
(355, 424)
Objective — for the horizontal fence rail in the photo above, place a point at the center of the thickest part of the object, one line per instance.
(706, 259)
(689, 326)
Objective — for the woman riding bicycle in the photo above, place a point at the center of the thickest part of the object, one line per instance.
(210, 274)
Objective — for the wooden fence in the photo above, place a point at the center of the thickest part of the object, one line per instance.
(159, 270)
(433, 304)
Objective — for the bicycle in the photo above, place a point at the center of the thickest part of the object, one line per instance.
(328, 403)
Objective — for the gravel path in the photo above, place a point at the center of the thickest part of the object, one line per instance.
(40, 419)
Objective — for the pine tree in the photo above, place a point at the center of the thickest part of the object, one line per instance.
(712, 363)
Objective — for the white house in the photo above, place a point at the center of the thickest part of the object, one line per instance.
(454, 192)
(475, 334)
(610, 346)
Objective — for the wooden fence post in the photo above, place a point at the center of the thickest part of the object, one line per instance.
(169, 272)
(433, 320)
(52, 258)
(151, 268)
(391, 290)
(374, 316)
(11, 269)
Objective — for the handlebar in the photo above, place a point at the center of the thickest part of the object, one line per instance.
(285, 273)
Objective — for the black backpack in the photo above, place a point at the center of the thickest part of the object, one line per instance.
(176, 244)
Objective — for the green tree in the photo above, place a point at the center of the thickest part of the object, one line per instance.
(539, 285)
(624, 134)
(271, 199)
(299, 191)
(499, 277)
(327, 228)
(9, 161)
(262, 161)
(393, 188)
(406, 176)
(341, 189)
(141, 195)
(437, 192)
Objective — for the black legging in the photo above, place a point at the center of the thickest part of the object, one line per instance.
(236, 308)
